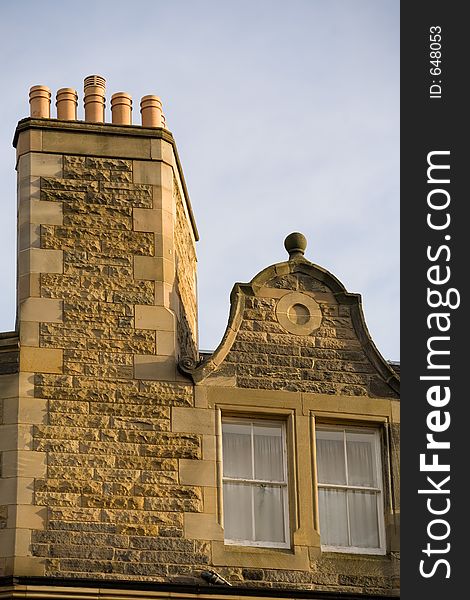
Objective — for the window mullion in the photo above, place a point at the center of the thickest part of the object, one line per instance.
(348, 521)
(379, 483)
(253, 534)
(284, 490)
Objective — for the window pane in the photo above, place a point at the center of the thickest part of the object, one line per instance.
(268, 452)
(361, 458)
(238, 511)
(333, 517)
(363, 519)
(330, 457)
(269, 514)
(236, 440)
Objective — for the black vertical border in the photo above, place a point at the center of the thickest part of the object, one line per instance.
(431, 124)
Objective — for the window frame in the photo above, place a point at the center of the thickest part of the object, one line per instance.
(379, 489)
(283, 485)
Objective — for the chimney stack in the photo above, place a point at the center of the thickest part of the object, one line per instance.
(106, 301)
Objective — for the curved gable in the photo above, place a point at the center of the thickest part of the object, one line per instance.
(294, 327)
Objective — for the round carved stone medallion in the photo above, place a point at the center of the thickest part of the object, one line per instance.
(298, 313)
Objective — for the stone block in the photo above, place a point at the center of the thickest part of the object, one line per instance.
(163, 200)
(25, 436)
(265, 558)
(29, 190)
(166, 296)
(29, 236)
(200, 397)
(29, 141)
(44, 212)
(24, 464)
(28, 517)
(209, 450)
(197, 472)
(29, 286)
(41, 360)
(162, 150)
(94, 144)
(146, 219)
(44, 165)
(24, 410)
(39, 164)
(192, 420)
(9, 437)
(26, 385)
(30, 567)
(25, 490)
(395, 411)
(155, 367)
(7, 490)
(29, 333)
(7, 542)
(168, 271)
(9, 386)
(167, 218)
(166, 343)
(210, 499)
(153, 173)
(164, 246)
(157, 318)
(201, 526)
(148, 267)
(43, 310)
(254, 397)
(44, 261)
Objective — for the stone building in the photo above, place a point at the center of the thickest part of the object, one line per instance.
(132, 465)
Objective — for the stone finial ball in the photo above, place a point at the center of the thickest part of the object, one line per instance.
(295, 244)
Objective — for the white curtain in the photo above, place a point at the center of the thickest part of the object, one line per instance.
(238, 511)
(268, 453)
(361, 459)
(236, 447)
(333, 517)
(363, 519)
(269, 514)
(330, 457)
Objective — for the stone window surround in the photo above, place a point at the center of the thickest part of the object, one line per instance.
(301, 411)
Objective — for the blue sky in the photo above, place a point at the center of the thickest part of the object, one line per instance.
(286, 118)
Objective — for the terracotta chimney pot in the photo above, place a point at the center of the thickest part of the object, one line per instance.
(151, 110)
(66, 102)
(121, 108)
(40, 102)
(94, 88)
